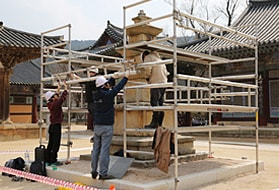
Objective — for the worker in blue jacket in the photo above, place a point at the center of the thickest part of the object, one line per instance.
(103, 100)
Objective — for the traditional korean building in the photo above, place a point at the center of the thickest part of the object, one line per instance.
(259, 19)
(25, 92)
(111, 38)
(17, 47)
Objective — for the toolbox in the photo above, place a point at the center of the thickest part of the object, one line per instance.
(40, 153)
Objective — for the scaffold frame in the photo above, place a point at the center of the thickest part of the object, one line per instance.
(206, 95)
(172, 53)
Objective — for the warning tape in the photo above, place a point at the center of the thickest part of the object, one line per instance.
(15, 151)
(46, 180)
(31, 151)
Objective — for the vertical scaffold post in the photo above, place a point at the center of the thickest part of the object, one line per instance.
(124, 97)
(175, 95)
(257, 100)
(70, 97)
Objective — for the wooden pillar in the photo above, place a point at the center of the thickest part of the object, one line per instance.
(5, 74)
(34, 110)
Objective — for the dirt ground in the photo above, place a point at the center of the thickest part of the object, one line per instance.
(264, 180)
(146, 175)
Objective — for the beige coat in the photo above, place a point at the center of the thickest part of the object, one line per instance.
(162, 149)
(157, 73)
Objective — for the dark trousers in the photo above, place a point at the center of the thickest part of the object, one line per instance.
(157, 96)
(54, 141)
(157, 99)
(90, 119)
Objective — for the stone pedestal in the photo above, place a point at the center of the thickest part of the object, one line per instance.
(10, 132)
(136, 119)
(144, 143)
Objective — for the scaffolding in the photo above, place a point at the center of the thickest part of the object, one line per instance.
(60, 63)
(214, 94)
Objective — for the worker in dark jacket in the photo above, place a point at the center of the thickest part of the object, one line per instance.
(90, 87)
(104, 120)
(54, 105)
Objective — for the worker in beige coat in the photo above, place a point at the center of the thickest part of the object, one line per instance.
(155, 74)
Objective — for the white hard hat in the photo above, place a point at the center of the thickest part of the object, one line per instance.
(100, 81)
(94, 69)
(48, 95)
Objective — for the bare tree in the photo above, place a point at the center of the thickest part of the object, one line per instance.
(212, 11)
(229, 10)
(200, 8)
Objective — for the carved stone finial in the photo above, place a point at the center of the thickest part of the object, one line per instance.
(141, 13)
(141, 16)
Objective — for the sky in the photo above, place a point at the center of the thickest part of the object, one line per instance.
(88, 18)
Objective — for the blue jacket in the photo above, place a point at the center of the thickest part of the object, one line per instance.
(104, 103)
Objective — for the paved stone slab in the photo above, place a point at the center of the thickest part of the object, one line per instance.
(119, 166)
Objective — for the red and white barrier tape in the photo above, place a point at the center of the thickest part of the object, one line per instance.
(45, 180)
(15, 151)
(31, 151)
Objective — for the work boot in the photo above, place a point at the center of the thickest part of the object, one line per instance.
(154, 122)
(94, 175)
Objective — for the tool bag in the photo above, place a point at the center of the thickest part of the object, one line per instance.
(38, 167)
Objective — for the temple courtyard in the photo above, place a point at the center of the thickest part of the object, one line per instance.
(232, 167)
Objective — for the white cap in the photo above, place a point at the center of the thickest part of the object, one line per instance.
(94, 69)
(100, 81)
(48, 95)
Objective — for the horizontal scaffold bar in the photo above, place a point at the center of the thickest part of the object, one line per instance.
(143, 43)
(196, 108)
(236, 77)
(234, 61)
(233, 94)
(185, 55)
(208, 128)
(55, 29)
(140, 152)
(215, 81)
(72, 110)
(158, 85)
(220, 37)
(149, 20)
(64, 60)
(55, 45)
(222, 28)
(84, 54)
(147, 64)
(136, 4)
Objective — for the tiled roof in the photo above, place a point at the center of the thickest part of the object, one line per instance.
(107, 50)
(26, 73)
(115, 34)
(260, 19)
(14, 38)
(111, 38)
